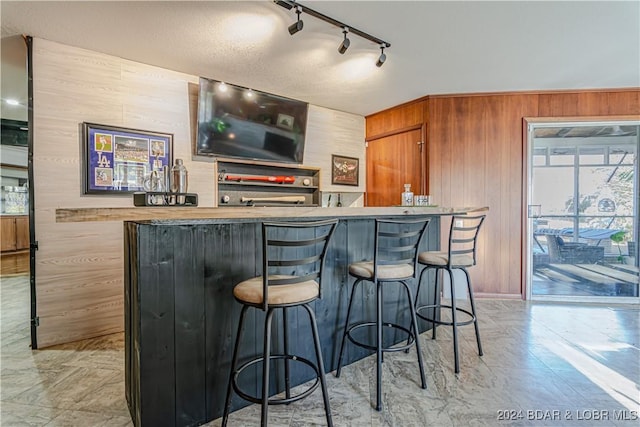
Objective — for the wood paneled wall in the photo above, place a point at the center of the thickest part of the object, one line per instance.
(475, 152)
(402, 117)
(79, 266)
(589, 103)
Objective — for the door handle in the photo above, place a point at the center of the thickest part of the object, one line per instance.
(534, 211)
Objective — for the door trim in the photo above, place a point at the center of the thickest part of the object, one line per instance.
(32, 224)
(526, 195)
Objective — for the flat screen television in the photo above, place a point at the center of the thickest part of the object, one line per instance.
(242, 123)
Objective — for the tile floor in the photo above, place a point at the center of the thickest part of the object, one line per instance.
(544, 364)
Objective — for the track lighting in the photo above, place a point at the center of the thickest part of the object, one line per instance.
(382, 56)
(296, 26)
(345, 42)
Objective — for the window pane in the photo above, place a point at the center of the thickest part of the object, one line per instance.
(606, 190)
(592, 155)
(562, 156)
(553, 190)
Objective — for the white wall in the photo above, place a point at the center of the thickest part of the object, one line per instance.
(79, 266)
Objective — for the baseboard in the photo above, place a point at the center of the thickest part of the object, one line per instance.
(488, 295)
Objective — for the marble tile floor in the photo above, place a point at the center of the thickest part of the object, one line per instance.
(544, 364)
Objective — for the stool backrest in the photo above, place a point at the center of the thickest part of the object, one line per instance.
(397, 242)
(294, 249)
(463, 237)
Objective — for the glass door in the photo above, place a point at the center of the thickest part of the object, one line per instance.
(583, 211)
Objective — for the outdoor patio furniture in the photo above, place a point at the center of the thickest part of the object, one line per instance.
(583, 233)
(561, 252)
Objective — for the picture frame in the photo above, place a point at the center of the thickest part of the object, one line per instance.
(116, 160)
(285, 121)
(345, 170)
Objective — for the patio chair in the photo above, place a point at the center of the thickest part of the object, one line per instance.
(561, 252)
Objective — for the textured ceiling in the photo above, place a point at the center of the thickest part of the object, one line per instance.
(436, 47)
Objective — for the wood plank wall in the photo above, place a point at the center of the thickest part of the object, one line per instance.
(395, 120)
(79, 266)
(474, 158)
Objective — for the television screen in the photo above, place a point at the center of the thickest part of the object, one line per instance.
(243, 123)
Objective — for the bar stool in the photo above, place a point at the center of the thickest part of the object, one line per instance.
(293, 255)
(463, 237)
(394, 260)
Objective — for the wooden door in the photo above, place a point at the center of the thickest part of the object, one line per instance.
(393, 161)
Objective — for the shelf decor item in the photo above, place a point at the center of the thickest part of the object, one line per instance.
(117, 160)
(344, 170)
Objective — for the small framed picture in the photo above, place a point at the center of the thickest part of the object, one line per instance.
(285, 121)
(116, 160)
(345, 170)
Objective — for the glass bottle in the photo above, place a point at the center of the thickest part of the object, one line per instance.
(407, 196)
(179, 180)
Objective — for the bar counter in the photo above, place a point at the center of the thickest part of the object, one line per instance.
(180, 315)
(174, 212)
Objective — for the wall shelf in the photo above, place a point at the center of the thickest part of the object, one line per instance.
(302, 191)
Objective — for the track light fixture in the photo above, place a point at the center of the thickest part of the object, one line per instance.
(345, 42)
(382, 57)
(297, 26)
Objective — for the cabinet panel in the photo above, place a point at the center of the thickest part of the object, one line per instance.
(22, 233)
(8, 233)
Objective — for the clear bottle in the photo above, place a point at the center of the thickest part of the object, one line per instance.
(407, 196)
(179, 180)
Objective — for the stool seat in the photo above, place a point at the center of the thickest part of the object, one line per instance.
(364, 270)
(442, 258)
(251, 291)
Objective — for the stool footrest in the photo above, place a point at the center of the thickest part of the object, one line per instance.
(442, 322)
(276, 401)
(385, 324)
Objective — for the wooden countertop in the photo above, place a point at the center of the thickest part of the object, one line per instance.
(185, 213)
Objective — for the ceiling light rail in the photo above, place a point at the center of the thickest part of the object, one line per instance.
(297, 26)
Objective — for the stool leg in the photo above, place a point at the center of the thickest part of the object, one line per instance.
(346, 326)
(381, 318)
(419, 285)
(323, 383)
(436, 302)
(416, 300)
(414, 323)
(234, 361)
(266, 354)
(454, 322)
(473, 310)
(285, 339)
(378, 346)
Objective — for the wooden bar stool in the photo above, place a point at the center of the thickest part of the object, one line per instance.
(394, 260)
(293, 255)
(461, 254)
